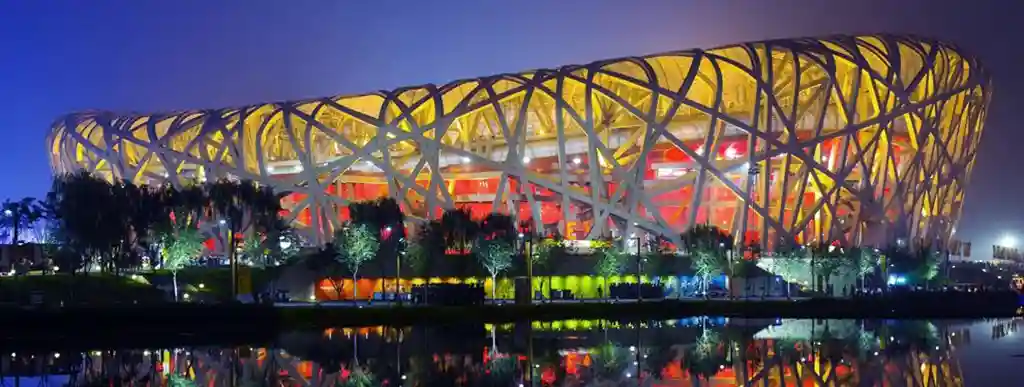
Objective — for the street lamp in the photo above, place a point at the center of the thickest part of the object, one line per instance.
(639, 268)
(526, 241)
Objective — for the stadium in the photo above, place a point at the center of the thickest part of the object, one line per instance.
(856, 140)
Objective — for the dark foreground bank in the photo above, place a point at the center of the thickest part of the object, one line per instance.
(228, 323)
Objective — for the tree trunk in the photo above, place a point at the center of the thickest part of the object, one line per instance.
(14, 237)
(704, 286)
(549, 288)
(398, 278)
(355, 288)
(337, 289)
(494, 288)
(174, 278)
(607, 288)
(355, 346)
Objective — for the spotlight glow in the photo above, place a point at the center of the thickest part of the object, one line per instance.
(1007, 240)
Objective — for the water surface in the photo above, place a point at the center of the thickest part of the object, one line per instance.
(698, 351)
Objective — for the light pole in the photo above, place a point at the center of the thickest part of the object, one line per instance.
(10, 215)
(728, 269)
(230, 249)
(639, 270)
(398, 267)
(526, 248)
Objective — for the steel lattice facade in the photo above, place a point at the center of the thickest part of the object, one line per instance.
(850, 139)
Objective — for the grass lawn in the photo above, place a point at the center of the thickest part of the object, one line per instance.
(94, 288)
(210, 283)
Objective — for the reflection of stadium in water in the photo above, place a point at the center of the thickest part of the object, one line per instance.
(690, 352)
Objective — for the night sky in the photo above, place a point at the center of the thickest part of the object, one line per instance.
(160, 55)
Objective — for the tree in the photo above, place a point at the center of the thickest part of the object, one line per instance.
(610, 261)
(547, 251)
(229, 202)
(791, 261)
(656, 259)
(497, 225)
(181, 245)
(459, 228)
(862, 261)
(253, 249)
(927, 267)
(708, 265)
(139, 209)
(708, 247)
(495, 255)
(385, 218)
(21, 214)
(826, 260)
(426, 248)
(899, 261)
(356, 245)
(82, 206)
(288, 246)
(417, 258)
(278, 241)
(327, 260)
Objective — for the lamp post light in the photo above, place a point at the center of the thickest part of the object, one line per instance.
(526, 240)
(639, 269)
(232, 261)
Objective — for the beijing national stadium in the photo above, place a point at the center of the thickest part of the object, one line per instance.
(847, 139)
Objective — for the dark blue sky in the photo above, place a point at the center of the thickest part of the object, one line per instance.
(158, 55)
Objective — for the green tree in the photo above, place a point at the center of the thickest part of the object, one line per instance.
(181, 245)
(356, 245)
(427, 247)
(610, 261)
(927, 266)
(609, 362)
(862, 261)
(708, 247)
(792, 263)
(826, 260)
(254, 249)
(546, 252)
(416, 257)
(495, 255)
(385, 218)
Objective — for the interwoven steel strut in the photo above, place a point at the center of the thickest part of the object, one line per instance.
(851, 139)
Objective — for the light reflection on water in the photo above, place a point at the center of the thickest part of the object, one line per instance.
(688, 352)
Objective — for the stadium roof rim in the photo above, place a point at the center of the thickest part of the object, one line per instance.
(804, 43)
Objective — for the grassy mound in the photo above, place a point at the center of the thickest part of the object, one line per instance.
(65, 289)
(211, 283)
